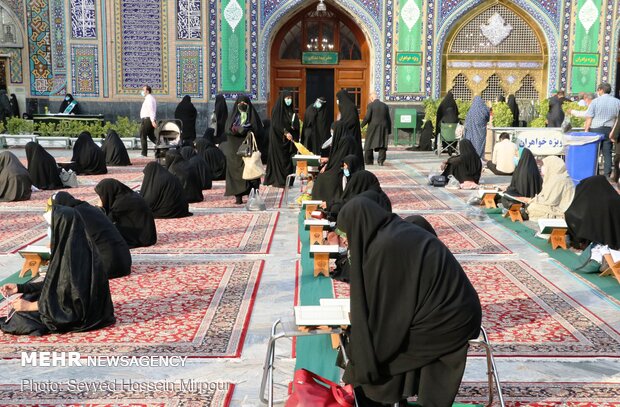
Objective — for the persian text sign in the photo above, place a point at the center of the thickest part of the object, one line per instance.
(585, 59)
(409, 58)
(544, 141)
(319, 58)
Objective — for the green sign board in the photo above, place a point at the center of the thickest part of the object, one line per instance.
(319, 58)
(409, 58)
(584, 59)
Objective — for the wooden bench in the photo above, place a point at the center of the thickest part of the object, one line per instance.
(321, 254)
(34, 257)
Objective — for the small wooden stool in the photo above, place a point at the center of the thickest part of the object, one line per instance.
(514, 212)
(488, 200)
(613, 269)
(558, 238)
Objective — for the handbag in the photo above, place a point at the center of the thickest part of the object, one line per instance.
(68, 178)
(246, 148)
(312, 390)
(252, 164)
(438, 181)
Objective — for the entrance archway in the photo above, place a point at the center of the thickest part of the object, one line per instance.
(494, 51)
(317, 54)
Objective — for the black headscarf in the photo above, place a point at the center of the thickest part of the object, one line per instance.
(42, 167)
(447, 111)
(115, 150)
(411, 303)
(421, 221)
(66, 102)
(594, 214)
(163, 193)
(14, 105)
(514, 108)
(75, 294)
(187, 113)
(187, 175)
(315, 130)
(362, 181)
(555, 117)
(215, 158)
(280, 163)
(221, 116)
(350, 118)
(112, 248)
(328, 184)
(198, 162)
(88, 157)
(467, 165)
(5, 105)
(526, 180)
(426, 135)
(128, 211)
(15, 183)
(235, 134)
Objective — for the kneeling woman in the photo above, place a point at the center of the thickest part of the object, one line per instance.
(466, 166)
(75, 294)
(128, 211)
(413, 309)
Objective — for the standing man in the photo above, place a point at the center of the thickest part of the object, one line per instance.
(148, 114)
(379, 128)
(600, 118)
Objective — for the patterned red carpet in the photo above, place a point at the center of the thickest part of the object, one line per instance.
(393, 177)
(214, 198)
(122, 394)
(223, 233)
(413, 198)
(18, 229)
(171, 307)
(38, 199)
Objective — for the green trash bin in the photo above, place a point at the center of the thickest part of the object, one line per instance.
(405, 119)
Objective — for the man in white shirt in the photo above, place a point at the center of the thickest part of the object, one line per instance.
(148, 114)
(504, 154)
(600, 118)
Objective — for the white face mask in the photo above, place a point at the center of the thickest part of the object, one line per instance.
(318, 104)
(142, 93)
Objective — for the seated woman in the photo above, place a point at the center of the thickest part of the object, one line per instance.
(187, 174)
(115, 150)
(328, 185)
(594, 214)
(214, 157)
(128, 211)
(359, 182)
(526, 180)
(415, 343)
(89, 159)
(15, 183)
(198, 162)
(163, 193)
(113, 250)
(42, 167)
(75, 294)
(556, 194)
(69, 105)
(466, 166)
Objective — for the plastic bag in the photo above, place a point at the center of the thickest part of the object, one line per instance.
(453, 183)
(69, 178)
(255, 201)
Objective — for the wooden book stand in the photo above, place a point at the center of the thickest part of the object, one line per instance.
(488, 200)
(316, 235)
(309, 209)
(302, 168)
(514, 212)
(613, 269)
(32, 263)
(558, 238)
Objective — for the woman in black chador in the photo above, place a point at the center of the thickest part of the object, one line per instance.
(242, 120)
(447, 112)
(350, 118)
(284, 130)
(115, 150)
(42, 167)
(75, 294)
(187, 175)
(328, 186)
(514, 108)
(413, 309)
(163, 193)
(315, 130)
(219, 118)
(555, 117)
(526, 180)
(187, 113)
(128, 211)
(360, 182)
(197, 161)
(15, 183)
(113, 250)
(89, 159)
(466, 166)
(215, 158)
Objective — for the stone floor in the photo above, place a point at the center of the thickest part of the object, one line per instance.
(275, 299)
